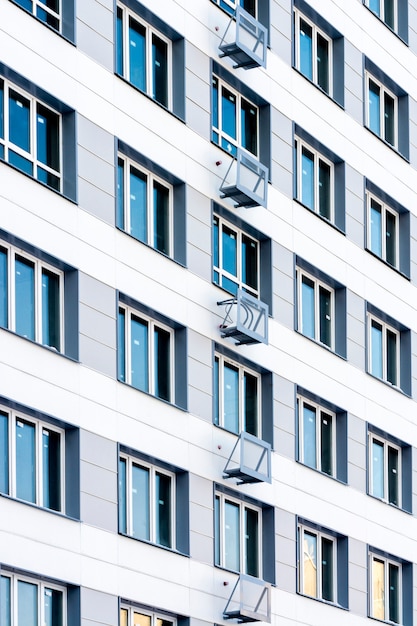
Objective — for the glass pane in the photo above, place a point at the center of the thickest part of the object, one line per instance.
(250, 262)
(394, 593)
(27, 604)
(393, 476)
(20, 162)
(309, 564)
(216, 245)
(161, 217)
(217, 558)
(141, 620)
(389, 13)
(137, 54)
(376, 349)
(216, 391)
(324, 189)
(251, 542)
(378, 469)
(325, 304)
(119, 41)
(378, 589)
(374, 108)
(25, 461)
(120, 197)
(45, 16)
(25, 297)
(306, 49)
(249, 6)
(51, 468)
(124, 615)
(164, 622)
(121, 348)
(19, 120)
(51, 4)
(1, 109)
(375, 234)
(323, 63)
(307, 178)
(160, 70)
(374, 5)
(163, 521)
(53, 607)
(327, 569)
(250, 395)
(231, 536)
(4, 317)
(309, 436)
(140, 502)
(308, 321)
(249, 122)
(215, 102)
(391, 239)
(5, 601)
(389, 119)
(229, 250)
(231, 398)
(228, 113)
(122, 497)
(138, 203)
(391, 357)
(49, 179)
(139, 354)
(326, 436)
(51, 310)
(162, 358)
(4, 453)
(47, 137)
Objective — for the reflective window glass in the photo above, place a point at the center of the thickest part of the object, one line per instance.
(137, 54)
(25, 461)
(160, 70)
(4, 455)
(51, 327)
(139, 354)
(25, 297)
(140, 502)
(163, 510)
(308, 307)
(232, 536)
(27, 604)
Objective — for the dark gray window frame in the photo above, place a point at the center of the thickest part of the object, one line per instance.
(179, 209)
(182, 499)
(402, 20)
(340, 339)
(67, 19)
(341, 473)
(267, 534)
(178, 56)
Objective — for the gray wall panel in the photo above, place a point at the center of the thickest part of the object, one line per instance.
(200, 376)
(284, 416)
(357, 440)
(280, 30)
(283, 284)
(201, 519)
(95, 31)
(282, 152)
(353, 82)
(100, 609)
(199, 234)
(198, 82)
(355, 226)
(286, 559)
(412, 25)
(413, 248)
(412, 104)
(355, 308)
(358, 577)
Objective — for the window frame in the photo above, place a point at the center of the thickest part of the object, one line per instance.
(318, 284)
(385, 329)
(386, 444)
(387, 562)
(154, 615)
(300, 146)
(316, 32)
(320, 410)
(383, 91)
(381, 14)
(38, 4)
(230, 6)
(385, 209)
(320, 535)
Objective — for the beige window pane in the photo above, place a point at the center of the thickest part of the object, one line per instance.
(378, 589)
(310, 564)
(141, 620)
(163, 622)
(123, 617)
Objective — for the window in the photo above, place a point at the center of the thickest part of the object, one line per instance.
(28, 601)
(135, 616)
(317, 436)
(394, 14)
(146, 502)
(383, 231)
(313, 53)
(144, 205)
(385, 585)
(315, 180)
(58, 15)
(322, 564)
(382, 111)
(316, 309)
(251, 6)
(385, 470)
(384, 351)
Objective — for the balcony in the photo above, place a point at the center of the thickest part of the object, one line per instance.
(250, 460)
(248, 41)
(245, 319)
(250, 601)
(246, 181)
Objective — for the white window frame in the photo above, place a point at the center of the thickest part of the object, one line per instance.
(32, 155)
(152, 324)
(151, 179)
(221, 222)
(317, 284)
(130, 611)
(236, 143)
(233, 4)
(383, 90)
(242, 370)
(150, 30)
(153, 470)
(319, 409)
(319, 582)
(387, 562)
(12, 252)
(386, 445)
(385, 208)
(385, 328)
(317, 157)
(315, 32)
(382, 13)
(43, 7)
(222, 498)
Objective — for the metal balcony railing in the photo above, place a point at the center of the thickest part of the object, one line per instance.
(250, 601)
(246, 181)
(249, 461)
(245, 319)
(247, 41)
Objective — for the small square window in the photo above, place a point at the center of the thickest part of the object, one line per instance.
(390, 588)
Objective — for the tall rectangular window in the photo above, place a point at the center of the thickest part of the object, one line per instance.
(144, 56)
(381, 110)
(385, 589)
(383, 230)
(317, 436)
(314, 180)
(384, 351)
(313, 53)
(315, 309)
(386, 10)
(32, 461)
(48, 11)
(28, 601)
(144, 205)
(317, 564)
(385, 470)
(31, 298)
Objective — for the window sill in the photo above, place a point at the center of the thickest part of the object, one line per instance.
(393, 506)
(40, 508)
(155, 545)
(143, 93)
(314, 469)
(143, 243)
(331, 98)
(41, 345)
(390, 146)
(335, 604)
(391, 267)
(150, 395)
(322, 345)
(390, 385)
(323, 219)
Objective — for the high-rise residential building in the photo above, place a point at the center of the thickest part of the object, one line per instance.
(208, 312)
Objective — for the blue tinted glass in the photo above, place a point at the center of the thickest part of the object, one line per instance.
(216, 397)
(376, 349)
(394, 593)
(309, 436)
(139, 354)
(229, 285)
(4, 454)
(231, 398)
(3, 289)
(251, 543)
(137, 54)
(307, 180)
(51, 469)
(120, 198)
(19, 120)
(1, 109)
(51, 326)
(374, 108)
(249, 126)
(46, 17)
(391, 357)
(309, 549)
(122, 497)
(376, 228)
(25, 461)
(308, 321)
(27, 604)
(163, 510)
(160, 70)
(140, 502)
(26, 4)
(161, 217)
(374, 5)
(49, 179)
(217, 531)
(229, 113)
(25, 298)
(377, 469)
(215, 97)
(5, 601)
(306, 49)
(121, 348)
(47, 137)
(229, 250)
(215, 242)
(119, 41)
(20, 162)
(138, 205)
(231, 536)
(52, 599)
(162, 359)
